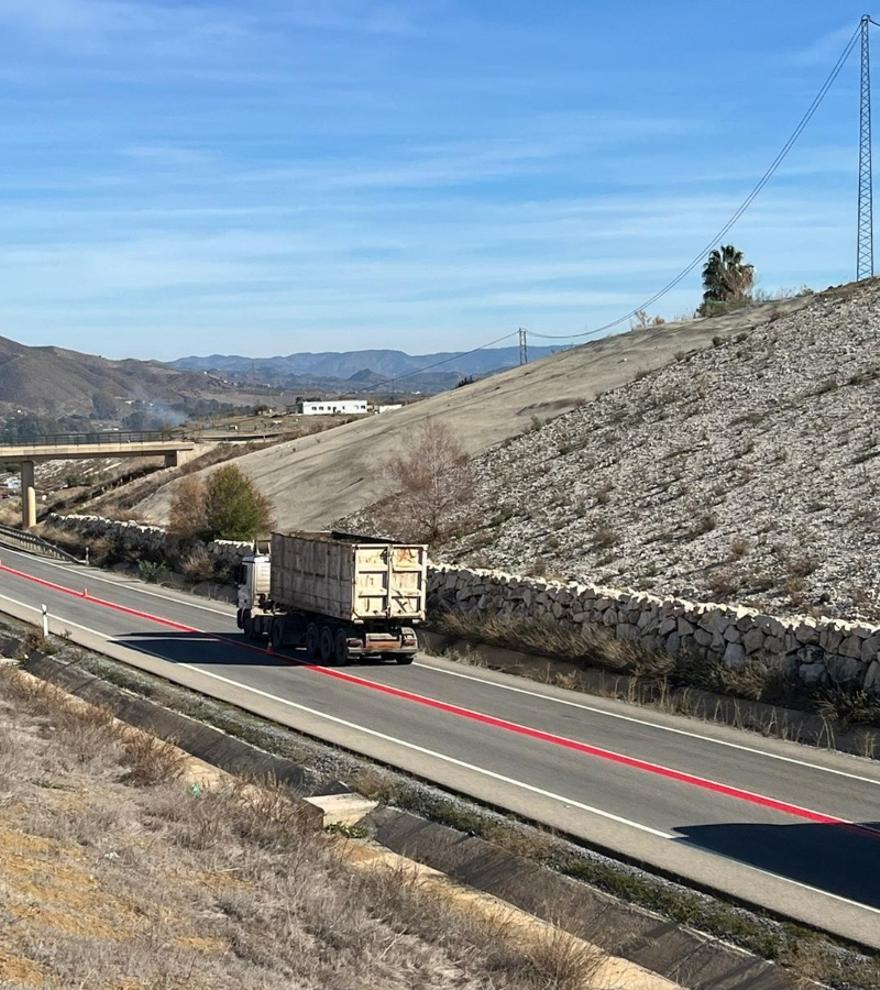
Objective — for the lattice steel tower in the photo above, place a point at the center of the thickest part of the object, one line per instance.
(865, 251)
(523, 346)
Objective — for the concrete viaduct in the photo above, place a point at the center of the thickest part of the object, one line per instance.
(80, 446)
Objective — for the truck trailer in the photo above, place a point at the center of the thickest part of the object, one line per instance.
(340, 596)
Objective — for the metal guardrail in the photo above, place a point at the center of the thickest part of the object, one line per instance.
(19, 539)
(84, 439)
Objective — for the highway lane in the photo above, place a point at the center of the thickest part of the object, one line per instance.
(762, 819)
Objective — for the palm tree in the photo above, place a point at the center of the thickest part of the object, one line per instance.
(726, 279)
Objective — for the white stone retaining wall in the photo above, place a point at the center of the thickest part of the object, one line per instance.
(818, 651)
(153, 541)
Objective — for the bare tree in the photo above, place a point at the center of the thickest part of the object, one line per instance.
(187, 515)
(433, 475)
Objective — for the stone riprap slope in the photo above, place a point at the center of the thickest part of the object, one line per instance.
(313, 481)
(748, 472)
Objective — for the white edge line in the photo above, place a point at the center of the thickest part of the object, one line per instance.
(460, 763)
(518, 690)
(648, 724)
(779, 876)
(357, 728)
(475, 712)
(92, 576)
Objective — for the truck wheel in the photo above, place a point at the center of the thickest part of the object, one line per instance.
(238, 619)
(313, 641)
(247, 624)
(326, 644)
(406, 658)
(340, 648)
(277, 634)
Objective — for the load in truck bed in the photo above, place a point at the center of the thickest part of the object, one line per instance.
(349, 578)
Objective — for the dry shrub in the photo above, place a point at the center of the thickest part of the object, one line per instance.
(849, 707)
(90, 733)
(512, 956)
(266, 812)
(151, 760)
(722, 584)
(433, 475)
(754, 680)
(561, 962)
(197, 563)
(13, 759)
(187, 514)
(548, 637)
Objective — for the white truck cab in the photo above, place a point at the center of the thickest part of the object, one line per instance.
(253, 577)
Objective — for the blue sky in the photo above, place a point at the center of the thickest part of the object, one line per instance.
(268, 177)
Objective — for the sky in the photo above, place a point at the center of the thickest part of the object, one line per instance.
(291, 175)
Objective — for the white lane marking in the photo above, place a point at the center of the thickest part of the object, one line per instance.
(93, 576)
(779, 876)
(565, 801)
(449, 759)
(518, 690)
(651, 725)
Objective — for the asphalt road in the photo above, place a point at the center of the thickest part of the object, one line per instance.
(786, 827)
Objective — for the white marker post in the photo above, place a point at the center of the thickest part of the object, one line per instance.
(45, 609)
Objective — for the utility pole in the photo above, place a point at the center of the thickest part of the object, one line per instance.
(865, 247)
(523, 346)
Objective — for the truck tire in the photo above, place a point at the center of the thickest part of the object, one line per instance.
(313, 641)
(340, 648)
(238, 621)
(277, 633)
(326, 644)
(405, 658)
(247, 625)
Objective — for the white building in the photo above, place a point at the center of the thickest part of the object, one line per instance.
(389, 408)
(327, 407)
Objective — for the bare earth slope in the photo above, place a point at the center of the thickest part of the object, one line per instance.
(749, 471)
(53, 381)
(315, 481)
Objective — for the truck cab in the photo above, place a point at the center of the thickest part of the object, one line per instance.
(252, 576)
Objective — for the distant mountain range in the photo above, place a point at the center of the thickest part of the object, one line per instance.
(361, 368)
(69, 390)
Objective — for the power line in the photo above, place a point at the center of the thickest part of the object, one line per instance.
(437, 364)
(746, 203)
(698, 258)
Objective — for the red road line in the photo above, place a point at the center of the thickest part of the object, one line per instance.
(657, 769)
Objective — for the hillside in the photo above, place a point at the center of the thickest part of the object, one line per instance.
(749, 471)
(52, 381)
(314, 481)
(348, 364)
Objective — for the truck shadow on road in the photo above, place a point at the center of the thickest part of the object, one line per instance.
(841, 859)
(213, 648)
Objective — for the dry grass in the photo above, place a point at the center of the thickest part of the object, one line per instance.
(547, 637)
(657, 674)
(107, 884)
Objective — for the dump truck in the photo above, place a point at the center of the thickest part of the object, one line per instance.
(342, 597)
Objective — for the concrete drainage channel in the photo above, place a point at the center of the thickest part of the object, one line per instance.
(678, 954)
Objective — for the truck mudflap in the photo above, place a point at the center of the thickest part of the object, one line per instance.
(406, 643)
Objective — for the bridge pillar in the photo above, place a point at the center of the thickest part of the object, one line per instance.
(28, 495)
(177, 458)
